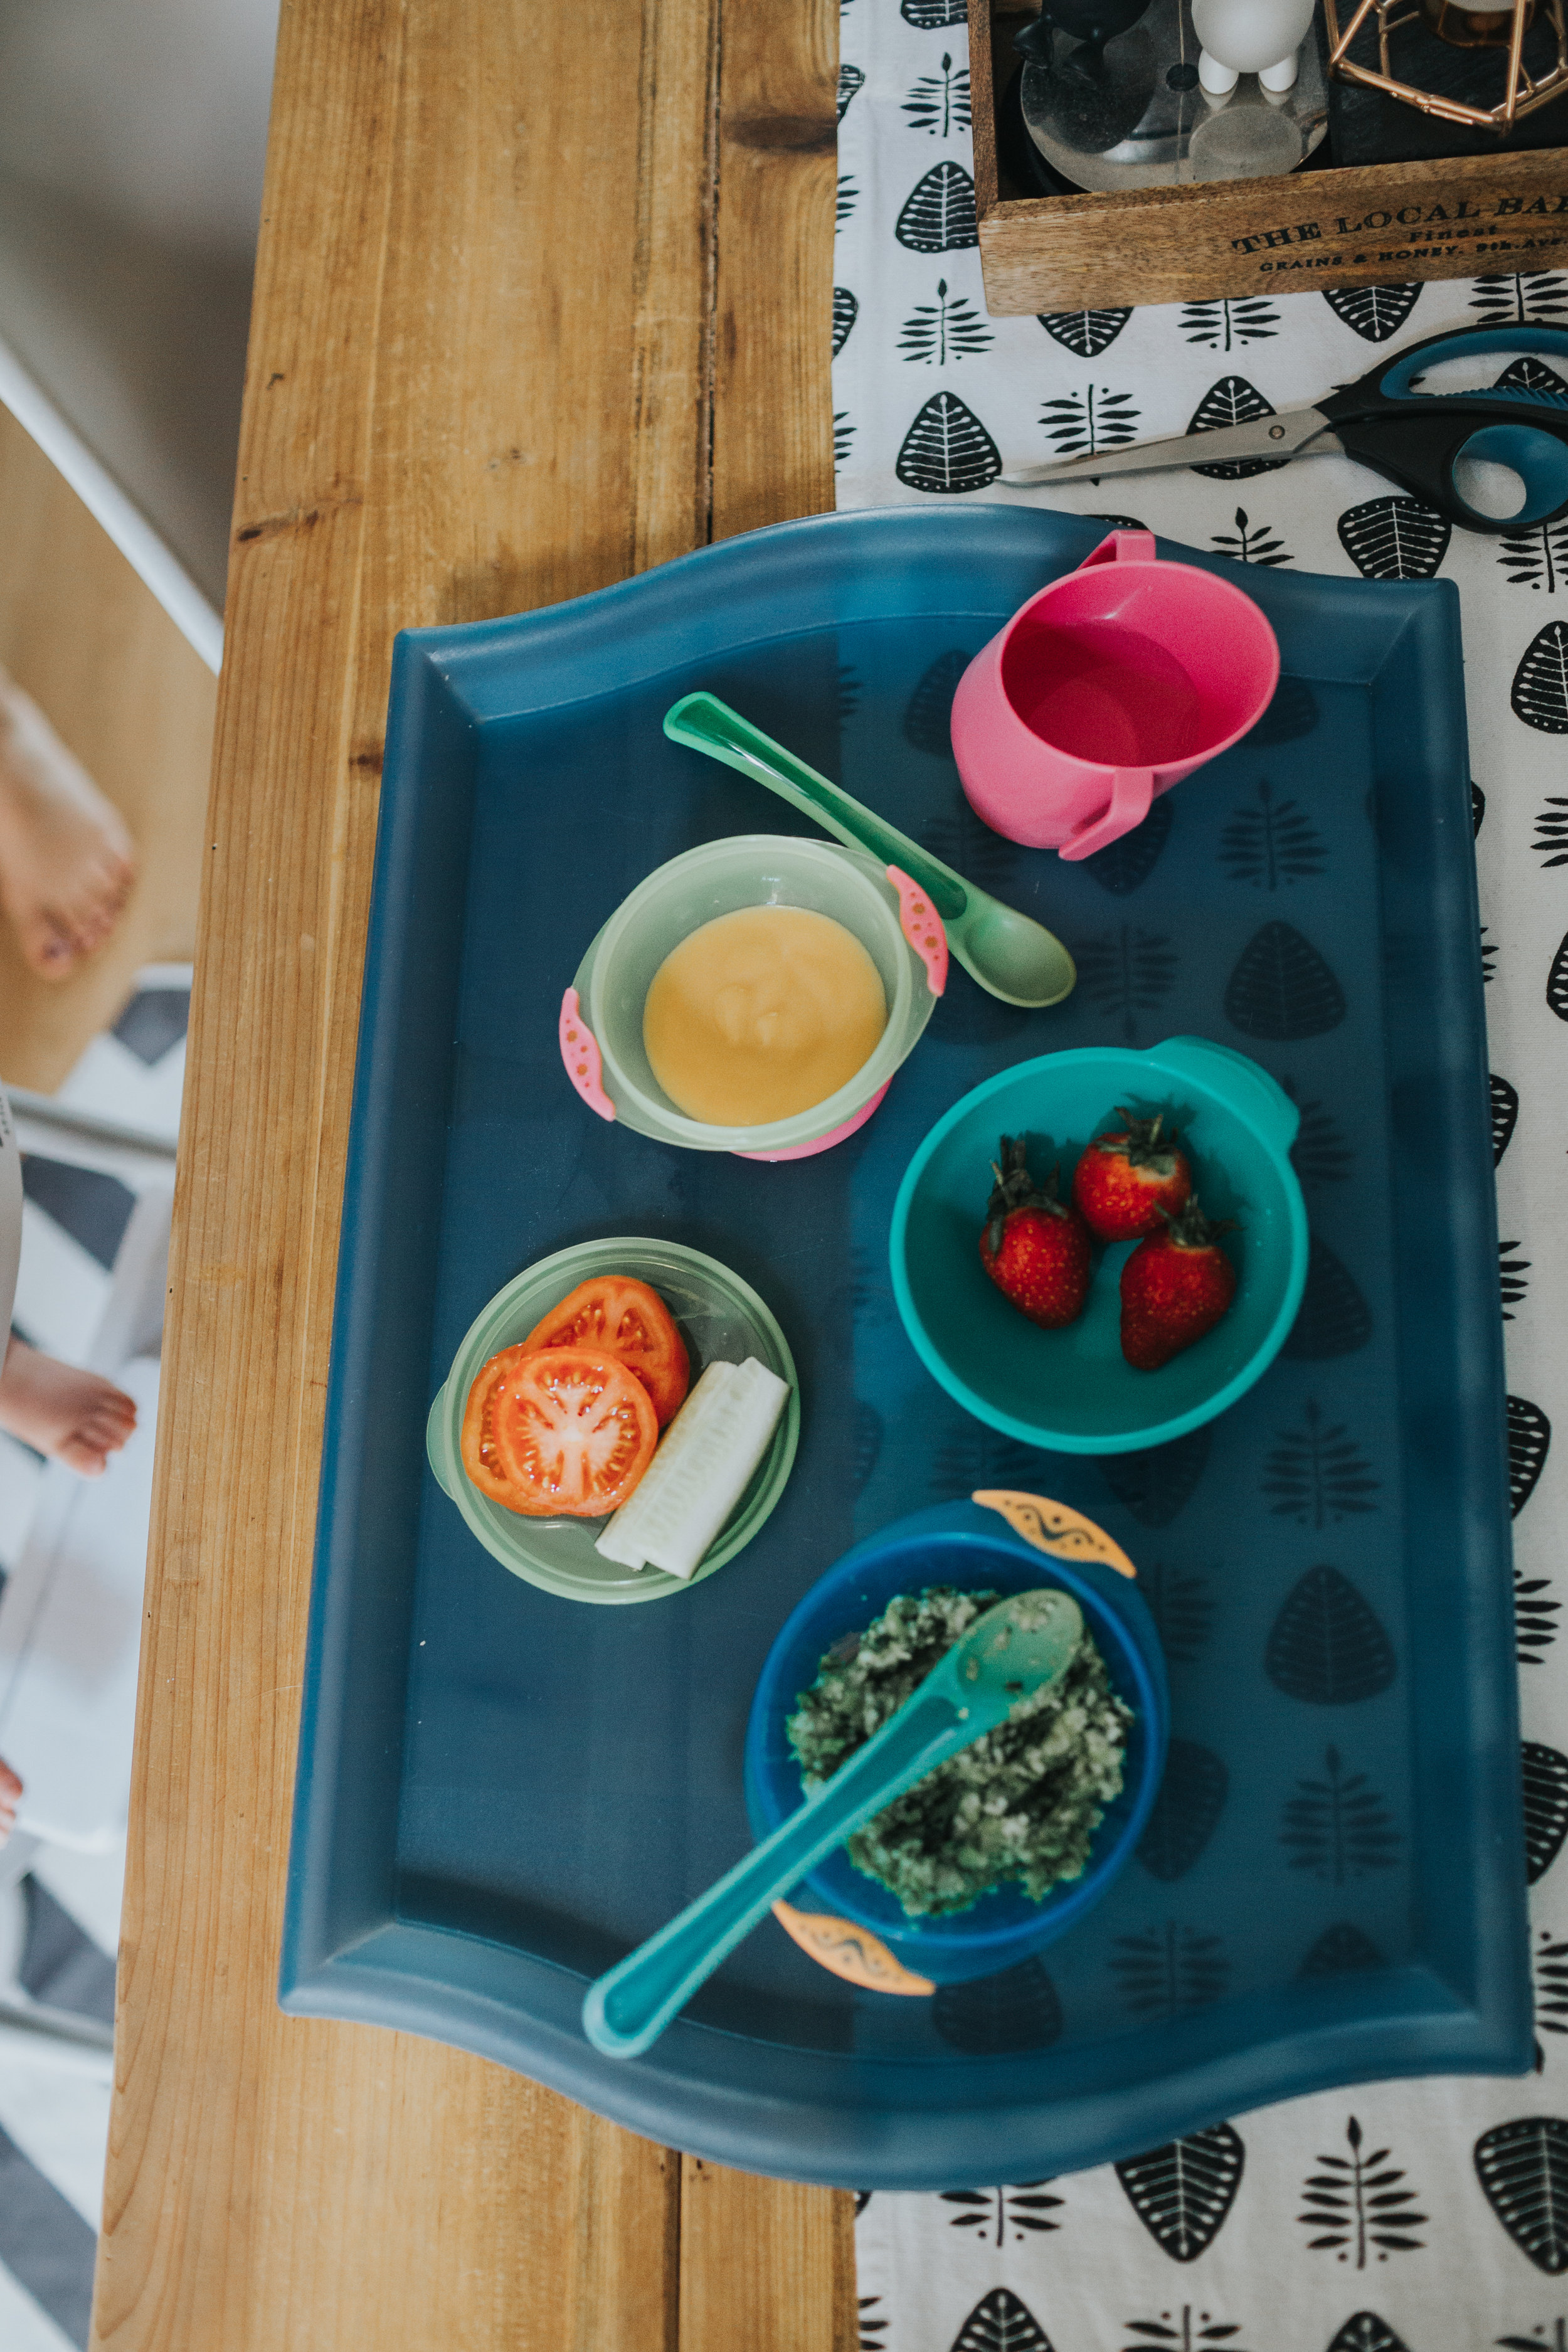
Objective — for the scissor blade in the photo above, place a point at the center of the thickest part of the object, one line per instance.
(1261, 436)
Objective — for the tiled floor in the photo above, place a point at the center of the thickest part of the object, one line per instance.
(59, 1924)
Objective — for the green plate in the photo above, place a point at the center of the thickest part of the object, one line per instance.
(722, 1319)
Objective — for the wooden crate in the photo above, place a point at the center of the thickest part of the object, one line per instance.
(1379, 222)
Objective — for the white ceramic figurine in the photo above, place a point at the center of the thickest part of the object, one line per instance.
(1260, 36)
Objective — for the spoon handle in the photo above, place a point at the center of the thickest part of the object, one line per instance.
(629, 2008)
(706, 724)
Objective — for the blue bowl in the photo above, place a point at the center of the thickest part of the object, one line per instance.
(961, 1545)
(1072, 1391)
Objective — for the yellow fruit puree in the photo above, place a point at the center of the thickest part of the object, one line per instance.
(761, 1013)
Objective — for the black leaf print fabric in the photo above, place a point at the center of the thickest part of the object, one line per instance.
(1181, 1603)
(1183, 2192)
(932, 16)
(1529, 1441)
(1511, 1272)
(1375, 313)
(1126, 865)
(848, 197)
(1249, 542)
(1157, 1486)
(1550, 842)
(1528, 373)
(1222, 324)
(1395, 537)
(1478, 808)
(1537, 558)
(1548, 1971)
(1233, 400)
(1510, 301)
(846, 310)
(1282, 988)
(1292, 714)
(1545, 1773)
(843, 435)
(1187, 1811)
(873, 2324)
(1319, 1155)
(850, 79)
(1327, 1645)
(1557, 980)
(1340, 1951)
(939, 102)
(1019, 2009)
(1357, 2207)
(1127, 972)
(1363, 2331)
(948, 329)
(1539, 695)
(1162, 1971)
(999, 2321)
(1271, 843)
(1523, 2167)
(998, 2213)
(939, 213)
(1080, 424)
(1334, 1319)
(1317, 1474)
(1505, 1111)
(1535, 1614)
(928, 718)
(1336, 1826)
(1187, 2330)
(947, 450)
(1085, 332)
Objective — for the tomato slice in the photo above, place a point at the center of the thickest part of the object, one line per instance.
(616, 1316)
(560, 1432)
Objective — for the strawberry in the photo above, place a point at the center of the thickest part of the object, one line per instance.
(1034, 1247)
(1127, 1181)
(1174, 1287)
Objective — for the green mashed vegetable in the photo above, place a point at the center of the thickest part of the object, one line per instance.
(1021, 1804)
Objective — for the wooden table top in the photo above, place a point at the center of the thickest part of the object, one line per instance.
(540, 300)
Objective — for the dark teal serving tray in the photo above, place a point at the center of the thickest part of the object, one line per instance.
(499, 1791)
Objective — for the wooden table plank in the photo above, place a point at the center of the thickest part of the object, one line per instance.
(482, 376)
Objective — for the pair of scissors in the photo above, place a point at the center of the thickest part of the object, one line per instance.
(1414, 439)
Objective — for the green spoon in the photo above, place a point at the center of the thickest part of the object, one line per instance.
(1007, 1654)
(1014, 957)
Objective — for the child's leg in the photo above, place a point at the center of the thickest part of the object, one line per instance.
(66, 859)
(76, 1416)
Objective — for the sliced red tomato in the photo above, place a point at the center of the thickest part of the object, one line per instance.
(559, 1432)
(620, 1316)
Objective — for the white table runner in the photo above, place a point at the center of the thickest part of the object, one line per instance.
(1387, 2216)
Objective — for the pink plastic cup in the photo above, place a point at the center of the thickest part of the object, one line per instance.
(1109, 686)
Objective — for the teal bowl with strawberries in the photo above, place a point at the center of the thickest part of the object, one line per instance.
(1109, 1380)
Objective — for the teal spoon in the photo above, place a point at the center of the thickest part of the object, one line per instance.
(1008, 953)
(1007, 1654)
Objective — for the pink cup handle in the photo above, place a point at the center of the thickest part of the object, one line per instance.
(579, 1052)
(1132, 790)
(1123, 547)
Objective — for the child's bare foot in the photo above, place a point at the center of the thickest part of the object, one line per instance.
(66, 859)
(77, 1417)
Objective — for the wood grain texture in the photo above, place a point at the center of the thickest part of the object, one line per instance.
(1400, 220)
(94, 648)
(481, 377)
(765, 2263)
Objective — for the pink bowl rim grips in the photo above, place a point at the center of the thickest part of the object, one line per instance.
(580, 1053)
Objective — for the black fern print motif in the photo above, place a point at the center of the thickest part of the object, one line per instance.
(1545, 1775)
(1167, 1970)
(1183, 2192)
(939, 102)
(1248, 542)
(947, 450)
(1478, 809)
(1341, 1950)
(1020, 2210)
(1511, 1272)
(862, 2199)
(844, 431)
(1233, 400)
(1533, 1612)
(1272, 845)
(1523, 2167)
(1529, 1442)
(1157, 1485)
(1363, 2331)
(850, 79)
(1527, 373)
(1082, 424)
(1019, 2009)
(1086, 332)
(1557, 982)
(1488, 954)
(1357, 2207)
(1505, 1112)
(1320, 1154)
(927, 720)
(1550, 842)
(932, 16)
(865, 1445)
(1375, 312)
(1328, 1645)
(1182, 1604)
(1535, 296)
(1185, 1812)
(1224, 323)
(873, 2327)
(846, 310)
(848, 196)
(1317, 1474)
(1127, 971)
(1186, 2330)
(1549, 1976)
(1282, 987)
(1540, 690)
(1126, 865)
(1537, 2341)
(1395, 537)
(1338, 1826)
(949, 328)
(939, 212)
(999, 2321)
(1334, 1318)
(1536, 558)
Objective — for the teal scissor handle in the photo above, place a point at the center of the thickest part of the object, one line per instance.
(1418, 440)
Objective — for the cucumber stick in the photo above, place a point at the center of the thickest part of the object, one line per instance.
(700, 1471)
